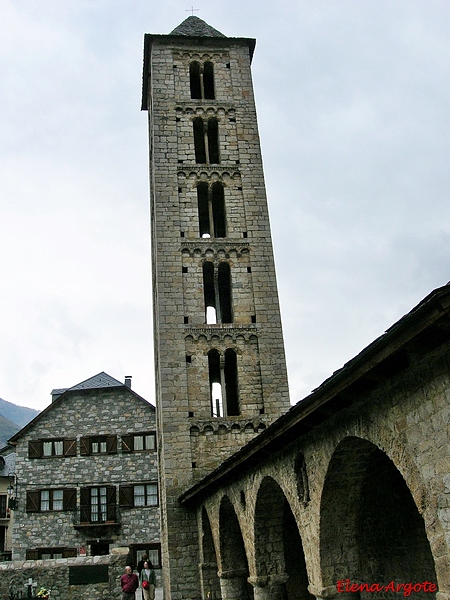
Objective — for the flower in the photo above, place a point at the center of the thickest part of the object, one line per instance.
(42, 592)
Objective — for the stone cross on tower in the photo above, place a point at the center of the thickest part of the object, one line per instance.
(219, 353)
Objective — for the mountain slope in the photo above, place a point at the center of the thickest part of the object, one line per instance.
(17, 414)
(7, 430)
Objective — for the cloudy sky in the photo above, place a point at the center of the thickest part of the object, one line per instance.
(353, 106)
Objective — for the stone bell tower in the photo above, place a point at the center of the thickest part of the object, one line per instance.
(219, 354)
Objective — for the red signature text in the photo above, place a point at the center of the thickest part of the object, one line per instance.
(345, 585)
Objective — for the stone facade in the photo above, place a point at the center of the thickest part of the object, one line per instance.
(54, 575)
(211, 251)
(351, 484)
(86, 475)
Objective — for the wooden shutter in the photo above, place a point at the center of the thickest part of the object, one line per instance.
(111, 444)
(69, 499)
(126, 496)
(85, 446)
(85, 505)
(34, 448)
(111, 503)
(33, 501)
(127, 443)
(70, 447)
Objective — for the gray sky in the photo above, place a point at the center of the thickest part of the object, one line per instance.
(353, 107)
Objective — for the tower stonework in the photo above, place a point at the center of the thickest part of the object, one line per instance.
(219, 354)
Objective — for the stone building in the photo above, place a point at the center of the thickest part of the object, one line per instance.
(349, 487)
(220, 363)
(86, 475)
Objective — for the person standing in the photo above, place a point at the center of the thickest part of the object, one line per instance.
(147, 579)
(129, 583)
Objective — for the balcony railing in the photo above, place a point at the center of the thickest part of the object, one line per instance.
(105, 515)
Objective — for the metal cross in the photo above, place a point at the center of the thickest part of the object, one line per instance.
(30, 585)
(192, 9)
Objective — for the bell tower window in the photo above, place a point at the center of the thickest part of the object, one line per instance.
(217, 293)
(206, 141)
(211, 210)
(194, 76)
(208, 81)
(199, 141)
(201, 79)
(223, 383)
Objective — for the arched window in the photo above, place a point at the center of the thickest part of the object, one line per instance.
(203, 210)
(215, 383)
(201, 78)
(206, 141)
(218, 210)
(208, 81)
(223, 382)
(195, 81)
(213, 141)
(199, 141)
(217, 293)
(224, 285)
(209, 293)
(231, 384)
(211, 210)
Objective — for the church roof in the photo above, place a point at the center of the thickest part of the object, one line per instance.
(99, 381)
(195, 27)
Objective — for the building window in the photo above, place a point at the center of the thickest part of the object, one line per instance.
(217, 293)
(139, 442)
(151, 551)
(146, 495)
(202, 80)
(138, 495)
(98, 504)
(52, 448)
(104, 444)
(51, 500)
(223, 382)
(211, 210)
(206, 141)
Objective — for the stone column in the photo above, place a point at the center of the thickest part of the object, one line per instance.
(327, 593)
(233, 584)
(272, 587)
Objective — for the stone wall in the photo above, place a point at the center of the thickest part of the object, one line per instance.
(362, 496)
(54, 575)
